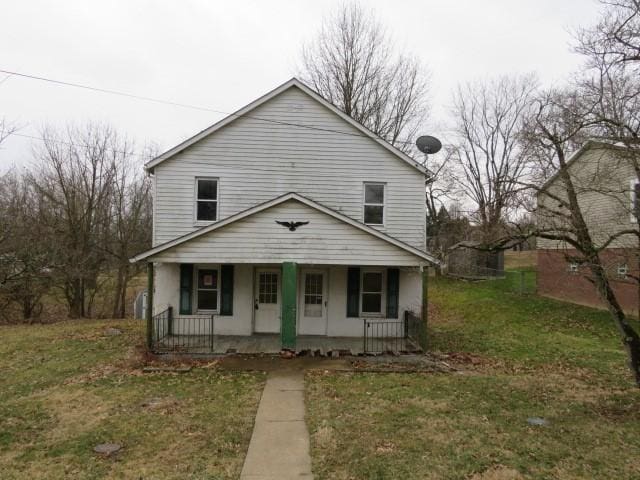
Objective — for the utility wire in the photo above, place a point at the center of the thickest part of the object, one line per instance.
(62, 142)
(182, 105)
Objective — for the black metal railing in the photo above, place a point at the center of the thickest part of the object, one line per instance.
(415, 330)
(182, 333)
(394, 336)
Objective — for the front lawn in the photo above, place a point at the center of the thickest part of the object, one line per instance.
(520, 357)
(67, 387)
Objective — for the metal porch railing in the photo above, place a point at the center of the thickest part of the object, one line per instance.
(182, 334)
(394, 336)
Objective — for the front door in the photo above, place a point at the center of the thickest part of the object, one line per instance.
(267, 301)
(312, 303)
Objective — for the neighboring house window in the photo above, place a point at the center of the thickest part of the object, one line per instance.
(374, 197)
(573, 267)
(635, 200)
(623, 270)
(207, 289)
(206, 199)
(371, 291)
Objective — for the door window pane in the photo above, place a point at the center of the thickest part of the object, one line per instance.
(268, 287)
(313, 295)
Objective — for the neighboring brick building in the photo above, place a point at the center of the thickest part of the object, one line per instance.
(604, 177)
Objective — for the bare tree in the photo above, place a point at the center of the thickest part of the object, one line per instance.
(352, 64)
(25, 254)
(615, 39)
(130, 226)
(7, 128)
(563, 209)
(75, 179)
(487, 155)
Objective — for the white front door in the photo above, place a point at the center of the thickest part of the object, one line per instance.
(267, 301)
(312, 303)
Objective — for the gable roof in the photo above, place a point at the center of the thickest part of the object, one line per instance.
(294, 82)
(586, 146)
(276, 201)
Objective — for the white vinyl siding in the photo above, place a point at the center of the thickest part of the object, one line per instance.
(256, 161)
(257, 238)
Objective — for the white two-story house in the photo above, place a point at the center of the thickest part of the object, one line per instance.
(284, 224)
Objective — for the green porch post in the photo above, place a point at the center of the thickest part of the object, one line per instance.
(425, 308)
(288, 314)
(149, 305)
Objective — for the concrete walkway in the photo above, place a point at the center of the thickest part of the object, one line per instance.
(279, 447)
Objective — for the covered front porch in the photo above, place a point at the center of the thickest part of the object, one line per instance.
(287, 269)
(306, 309)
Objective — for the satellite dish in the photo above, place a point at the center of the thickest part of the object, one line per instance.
(428, 144)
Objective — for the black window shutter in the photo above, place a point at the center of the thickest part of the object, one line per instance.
(393, 289)
(226, 286)
(353, 292)
(186, 288)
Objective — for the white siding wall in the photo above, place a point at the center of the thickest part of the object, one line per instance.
(339, 325)
(257, 161)
(166, 290)
(259, 239)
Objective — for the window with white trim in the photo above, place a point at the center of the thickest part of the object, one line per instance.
(372, 292)
(206, 199)
(623, 270)
(573, 267)
(374, 198)
(207, 292)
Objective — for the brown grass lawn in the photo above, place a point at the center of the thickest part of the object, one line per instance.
(520, 260)
(68, 386)
(519, 357)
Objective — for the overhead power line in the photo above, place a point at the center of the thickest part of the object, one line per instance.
(181, 105)
(63, 142)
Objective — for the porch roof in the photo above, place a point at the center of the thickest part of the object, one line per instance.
(330, 231)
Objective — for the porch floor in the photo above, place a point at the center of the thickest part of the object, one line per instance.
(268, 343)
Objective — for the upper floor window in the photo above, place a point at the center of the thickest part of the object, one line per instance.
(635, 200)
(573, 267)
(206, 199)
(374, 198)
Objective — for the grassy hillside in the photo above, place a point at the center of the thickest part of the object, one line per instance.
(518, 357)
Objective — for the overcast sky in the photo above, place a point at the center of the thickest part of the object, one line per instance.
(224, 54)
